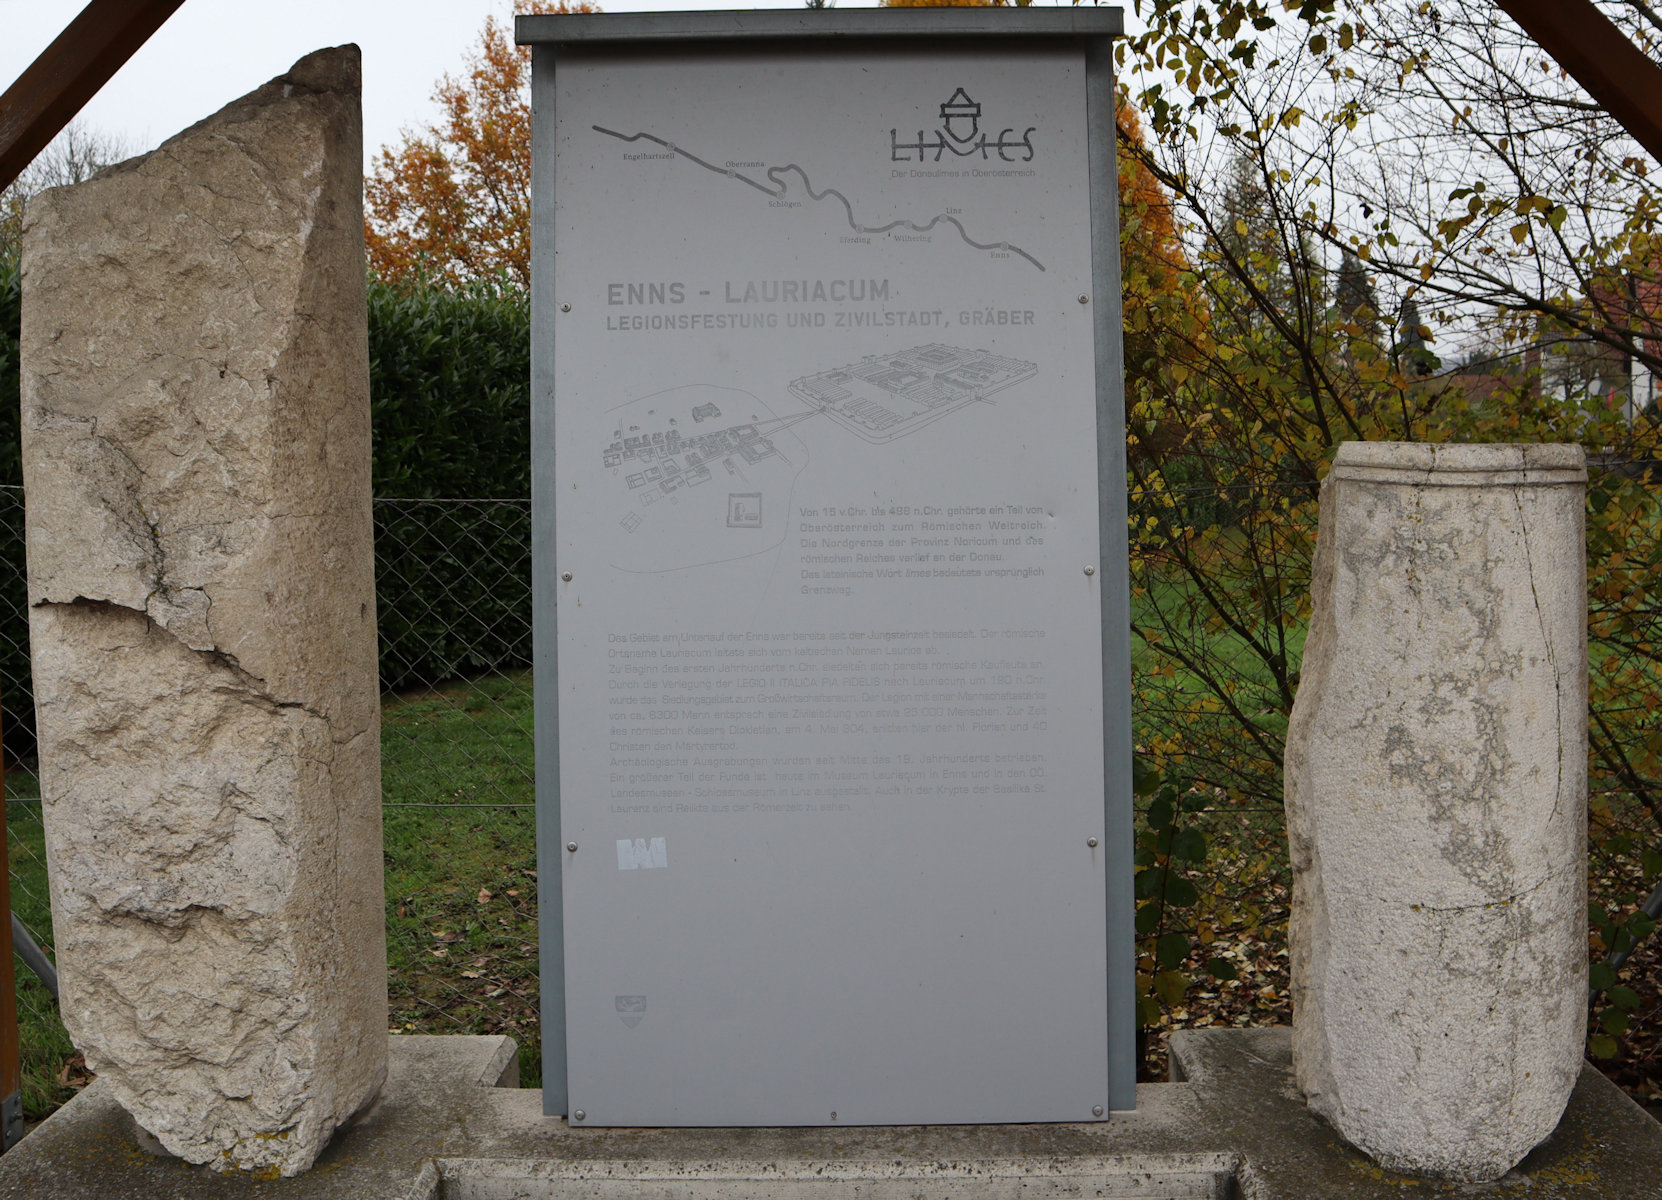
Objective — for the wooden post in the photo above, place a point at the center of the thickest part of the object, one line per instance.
(1615, 72)
(69, 72)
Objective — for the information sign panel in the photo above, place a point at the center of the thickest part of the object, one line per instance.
(826, 527)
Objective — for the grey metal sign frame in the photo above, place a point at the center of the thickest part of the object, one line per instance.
(1092, 31)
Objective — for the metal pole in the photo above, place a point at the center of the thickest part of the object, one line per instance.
(33, 956)
(551, 954)
(1116, 594)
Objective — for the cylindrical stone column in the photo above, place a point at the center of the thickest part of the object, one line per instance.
(1436, 787)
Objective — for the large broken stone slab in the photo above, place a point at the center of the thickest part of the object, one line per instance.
(196, 457)
(1436, 787)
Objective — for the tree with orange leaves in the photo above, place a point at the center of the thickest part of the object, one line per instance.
(453, 203)
(1157, 284)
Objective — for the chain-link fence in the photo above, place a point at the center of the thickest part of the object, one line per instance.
(454, 600)
(453, 584)
(49, 1069)
(453, 592)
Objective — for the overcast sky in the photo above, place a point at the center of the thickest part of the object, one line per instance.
(211, 51)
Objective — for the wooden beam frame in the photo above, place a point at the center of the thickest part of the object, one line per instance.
(1588, 45)
(69, 72)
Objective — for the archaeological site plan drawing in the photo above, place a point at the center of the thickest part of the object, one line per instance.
(701, 469)
(887, 396)
(702, 474)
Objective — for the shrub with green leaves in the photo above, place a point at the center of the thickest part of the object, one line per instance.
(11, 319)
(1168, 922)
(450, 390)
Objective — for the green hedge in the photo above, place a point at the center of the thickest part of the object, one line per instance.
(450, 387)
(11, 312)
(450, 394)
(17, 707)
(450, 397)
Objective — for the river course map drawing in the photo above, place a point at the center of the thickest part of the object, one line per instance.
(776, 188)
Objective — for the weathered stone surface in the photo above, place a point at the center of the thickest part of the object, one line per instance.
(196, 455)
(1436, 801)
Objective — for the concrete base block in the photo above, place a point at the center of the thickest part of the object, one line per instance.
(1605, 1146)
(450, 1126)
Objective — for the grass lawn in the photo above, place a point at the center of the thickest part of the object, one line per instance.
(460, 877)
(461, 890)
(51, 1068)
(460, 870)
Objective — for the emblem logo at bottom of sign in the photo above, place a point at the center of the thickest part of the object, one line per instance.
(631, 1010)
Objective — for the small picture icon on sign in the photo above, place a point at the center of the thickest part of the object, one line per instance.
(744, 510)
(634, 854)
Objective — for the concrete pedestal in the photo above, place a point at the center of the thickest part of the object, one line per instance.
(1234, 1127)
